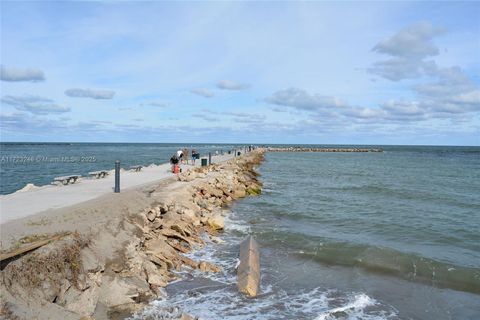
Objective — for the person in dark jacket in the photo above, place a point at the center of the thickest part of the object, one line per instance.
(195, 155)
(174, 162)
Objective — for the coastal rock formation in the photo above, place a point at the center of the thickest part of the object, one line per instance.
(124, 262)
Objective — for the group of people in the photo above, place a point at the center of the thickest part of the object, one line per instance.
(182, 157)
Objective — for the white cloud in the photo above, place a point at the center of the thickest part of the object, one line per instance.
(453, 92)
(472, 98)
(34, 104)
(400, 68)
(90, 93)
(334, 109)
(203, 92)
(156, 104)
(450, 94)
(15, 74)
(363, 113)
(409, 108)
(231, 85)
(205, 117)
(302, 100)
(242, 117)
(450, 81)
(414, 41)
(403, 110)
(408, 50)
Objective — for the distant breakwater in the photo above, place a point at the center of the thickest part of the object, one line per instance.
(303, 149)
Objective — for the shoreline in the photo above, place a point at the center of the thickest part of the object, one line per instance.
(123, 247)
(37, 199)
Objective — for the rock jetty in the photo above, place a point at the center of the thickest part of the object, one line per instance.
(303, 149)
(123, 263)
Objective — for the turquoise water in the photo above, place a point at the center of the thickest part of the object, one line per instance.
(392, 235)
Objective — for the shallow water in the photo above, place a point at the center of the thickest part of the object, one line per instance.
(393, 235)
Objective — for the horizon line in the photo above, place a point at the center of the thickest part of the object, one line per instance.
(241, 143)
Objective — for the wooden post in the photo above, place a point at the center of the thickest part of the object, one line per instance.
(248, 272)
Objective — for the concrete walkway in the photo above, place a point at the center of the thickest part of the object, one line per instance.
(22, 204)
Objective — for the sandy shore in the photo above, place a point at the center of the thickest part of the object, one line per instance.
(122, 248)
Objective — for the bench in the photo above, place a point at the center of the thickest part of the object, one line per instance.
(99, 174)
(67, 179)
(136, 168)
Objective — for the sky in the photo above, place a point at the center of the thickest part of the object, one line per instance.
(241, 72)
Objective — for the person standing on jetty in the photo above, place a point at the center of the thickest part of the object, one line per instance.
(180, 155)
(174, 163)
(195, 156)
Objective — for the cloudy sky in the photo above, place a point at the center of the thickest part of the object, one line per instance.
(260, 72)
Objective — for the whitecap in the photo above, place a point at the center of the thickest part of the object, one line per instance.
(354, 308)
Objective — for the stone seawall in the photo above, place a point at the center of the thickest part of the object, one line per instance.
(119, 266)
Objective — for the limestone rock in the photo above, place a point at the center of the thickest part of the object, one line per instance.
(253, 190)
(186, 316)
(82, 302)
(90, 262)
(216, 192)
(208, 267)
(151, 215)
(159, 247)
(203, 204)
(190, 215)
(216, 222)
(115, 291)
(216, 239)
(239, 193)
(153, 275)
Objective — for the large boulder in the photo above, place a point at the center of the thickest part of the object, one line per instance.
(216, 222)
(90, 261)
(253, 190)
(82, 302)
(208, 267)
(154, 275)
(117, 291)
(239, 192)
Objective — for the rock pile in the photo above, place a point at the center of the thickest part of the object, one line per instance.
(117, 269)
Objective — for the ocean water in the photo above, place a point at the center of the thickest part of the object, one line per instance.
(392, 235)
(39, 163)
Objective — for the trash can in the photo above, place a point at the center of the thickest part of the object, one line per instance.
(204, 162)
(239, 153)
